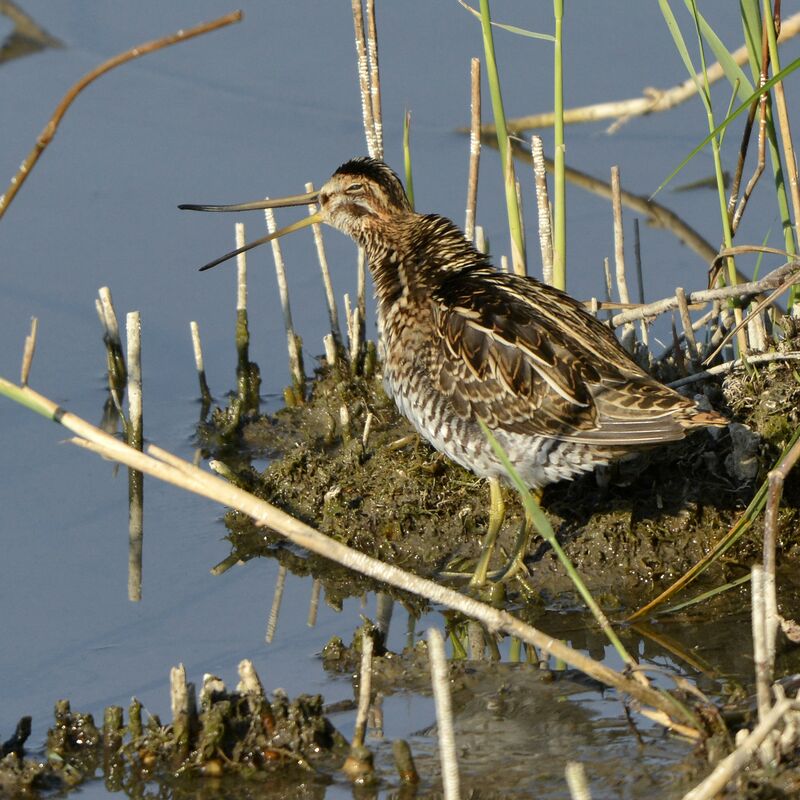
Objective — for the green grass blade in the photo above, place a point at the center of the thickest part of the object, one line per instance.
(512, 28)
(512, 207)
(750, 12)
(706, 595)
(534, 512)
(407, 157)
(733, 72)
(683, 51)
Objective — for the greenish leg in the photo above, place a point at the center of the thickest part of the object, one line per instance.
(497, 513)
(516, 562)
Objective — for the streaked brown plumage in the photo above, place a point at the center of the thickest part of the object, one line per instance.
(462, 341)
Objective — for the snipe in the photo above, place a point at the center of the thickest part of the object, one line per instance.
(464, 342)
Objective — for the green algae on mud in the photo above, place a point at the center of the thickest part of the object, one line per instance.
(639, 522)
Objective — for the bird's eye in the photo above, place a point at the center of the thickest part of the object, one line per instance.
(353, 188)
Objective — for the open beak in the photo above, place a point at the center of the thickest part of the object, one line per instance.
(280, 202)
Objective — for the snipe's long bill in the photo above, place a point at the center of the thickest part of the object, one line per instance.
(255, 205)
(464, 342)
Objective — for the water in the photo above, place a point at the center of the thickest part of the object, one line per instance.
(259, 107)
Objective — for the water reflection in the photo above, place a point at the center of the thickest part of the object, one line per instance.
(27, 36)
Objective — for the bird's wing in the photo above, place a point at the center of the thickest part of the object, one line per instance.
(529, 359)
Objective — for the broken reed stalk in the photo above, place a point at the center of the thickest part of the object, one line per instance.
(364, 80)
(404, 762)
(275, 610)
(374, 77)
(763, 666)
(330, 299)
(474, 148)
(518, 257)
(688, 331)
(28, 352)
(440, 680)
(295, 356)
(50, 129)
(184, 709)
(205, 392)
(576, 781)
(627, 336)
(135, 438)
(543, 208)
(364, 689)
(117, 371)
(165, 466)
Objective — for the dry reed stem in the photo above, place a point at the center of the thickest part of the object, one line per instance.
(330, 299)
(576, 781)
(205, 392)
(440, 680)
(28, 352)
(49, 130)
(627, 337)
(364, 79)
(518, 258)
(241, 268)
(753, 315)
(763, 667)
(329, 345)
(374, 78)
(688, 331)
(727, 366)
(543, 208)
(771, 281)
(655, 214)
(171, 469)
(295, 361)
(653, 100)
(729, 767)
(474, 148)
(364, 690)
(481, 244)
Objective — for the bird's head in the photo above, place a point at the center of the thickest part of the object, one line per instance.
(363, 198)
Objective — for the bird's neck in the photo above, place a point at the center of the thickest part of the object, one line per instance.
(412, 256)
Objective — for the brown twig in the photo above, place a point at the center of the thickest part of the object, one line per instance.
(49, 131)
